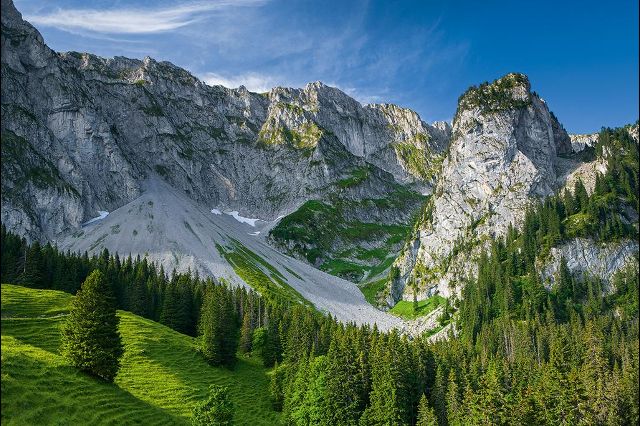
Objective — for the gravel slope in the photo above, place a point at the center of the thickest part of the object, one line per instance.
(169, 228)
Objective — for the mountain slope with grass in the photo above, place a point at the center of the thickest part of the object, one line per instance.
(161, 379)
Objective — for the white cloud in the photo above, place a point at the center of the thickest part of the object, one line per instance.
(134, 21)
(254, 82)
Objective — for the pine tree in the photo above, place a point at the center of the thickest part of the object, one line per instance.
(277, 385)
(219, 328)
(316, 411)
(217, 410)
(11, 250)
(390, 398)
(246, 333)
(292, 407)
(581, 196)
(439, 393)
(345, 384)
(426, 416)
(90, 336)
(454, 406)
(32, 274)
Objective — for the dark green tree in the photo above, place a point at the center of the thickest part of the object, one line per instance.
(246, 333)
(219, 328)
(90, 336)
(426, 415)
(217, 410)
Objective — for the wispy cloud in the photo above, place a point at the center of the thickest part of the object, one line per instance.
(254, 82)
(135, 21)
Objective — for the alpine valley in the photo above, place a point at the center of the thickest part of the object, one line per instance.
(475, 234)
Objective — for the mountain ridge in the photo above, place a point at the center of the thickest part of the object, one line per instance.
(370, 193)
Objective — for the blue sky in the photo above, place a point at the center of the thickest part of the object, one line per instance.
(581, 56)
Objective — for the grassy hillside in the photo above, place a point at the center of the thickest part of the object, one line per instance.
(161, 378)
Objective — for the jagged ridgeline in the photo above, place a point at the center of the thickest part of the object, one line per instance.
(83, 134)
(141, 157)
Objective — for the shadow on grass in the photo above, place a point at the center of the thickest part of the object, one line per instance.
(187, 373)
(38, 388)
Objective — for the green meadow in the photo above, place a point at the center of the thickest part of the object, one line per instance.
(161, 378)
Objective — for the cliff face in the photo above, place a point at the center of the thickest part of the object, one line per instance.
(586, 257)
(506, 150)
(98, 127)
(502, 154)
(334, 183)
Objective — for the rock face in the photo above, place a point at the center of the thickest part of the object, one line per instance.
(580, 142)
(83, 134)
(507, 149)
(584, 256)
(101, 126)
(502, 154)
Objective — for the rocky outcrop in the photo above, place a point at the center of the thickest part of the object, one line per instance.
(502, 154)
(392, 138)
(105, 125)
(574, 170)
(580, 142)
(587, 257)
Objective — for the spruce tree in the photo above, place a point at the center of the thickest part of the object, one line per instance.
(316, 411)
(246, 333)
(219, 328)
(454, 406)
(217, 410)
(277, 385)
(91, 340)
(32, 273)
(426, 415)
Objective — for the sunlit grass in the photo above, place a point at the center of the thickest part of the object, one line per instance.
(404, 309)
(161, 378)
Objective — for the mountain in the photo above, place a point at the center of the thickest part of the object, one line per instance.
(84, 132)
(104, 125)
(298, 192)
(507, 151)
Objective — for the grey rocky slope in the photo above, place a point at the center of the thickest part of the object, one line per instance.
(103, 125)
(506, 150)
(81, 134)
(169, 228)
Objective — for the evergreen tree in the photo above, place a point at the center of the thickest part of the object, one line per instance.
(439, 395)
(219, 328)
(390, 400)
(246, 333)
(314, 406)
(217, 410)
(426, 415)
(277, 385)
(454, 406)
(91, 340)
(32, 274)
(581, 196)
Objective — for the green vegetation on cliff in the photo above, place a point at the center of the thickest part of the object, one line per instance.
(496, 96)
(316, 228)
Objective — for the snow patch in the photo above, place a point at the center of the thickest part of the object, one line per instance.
(102, 215)
(241, 219)
(216, 211)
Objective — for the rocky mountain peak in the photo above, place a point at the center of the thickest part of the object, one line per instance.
(503, 152)
(512, 91)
